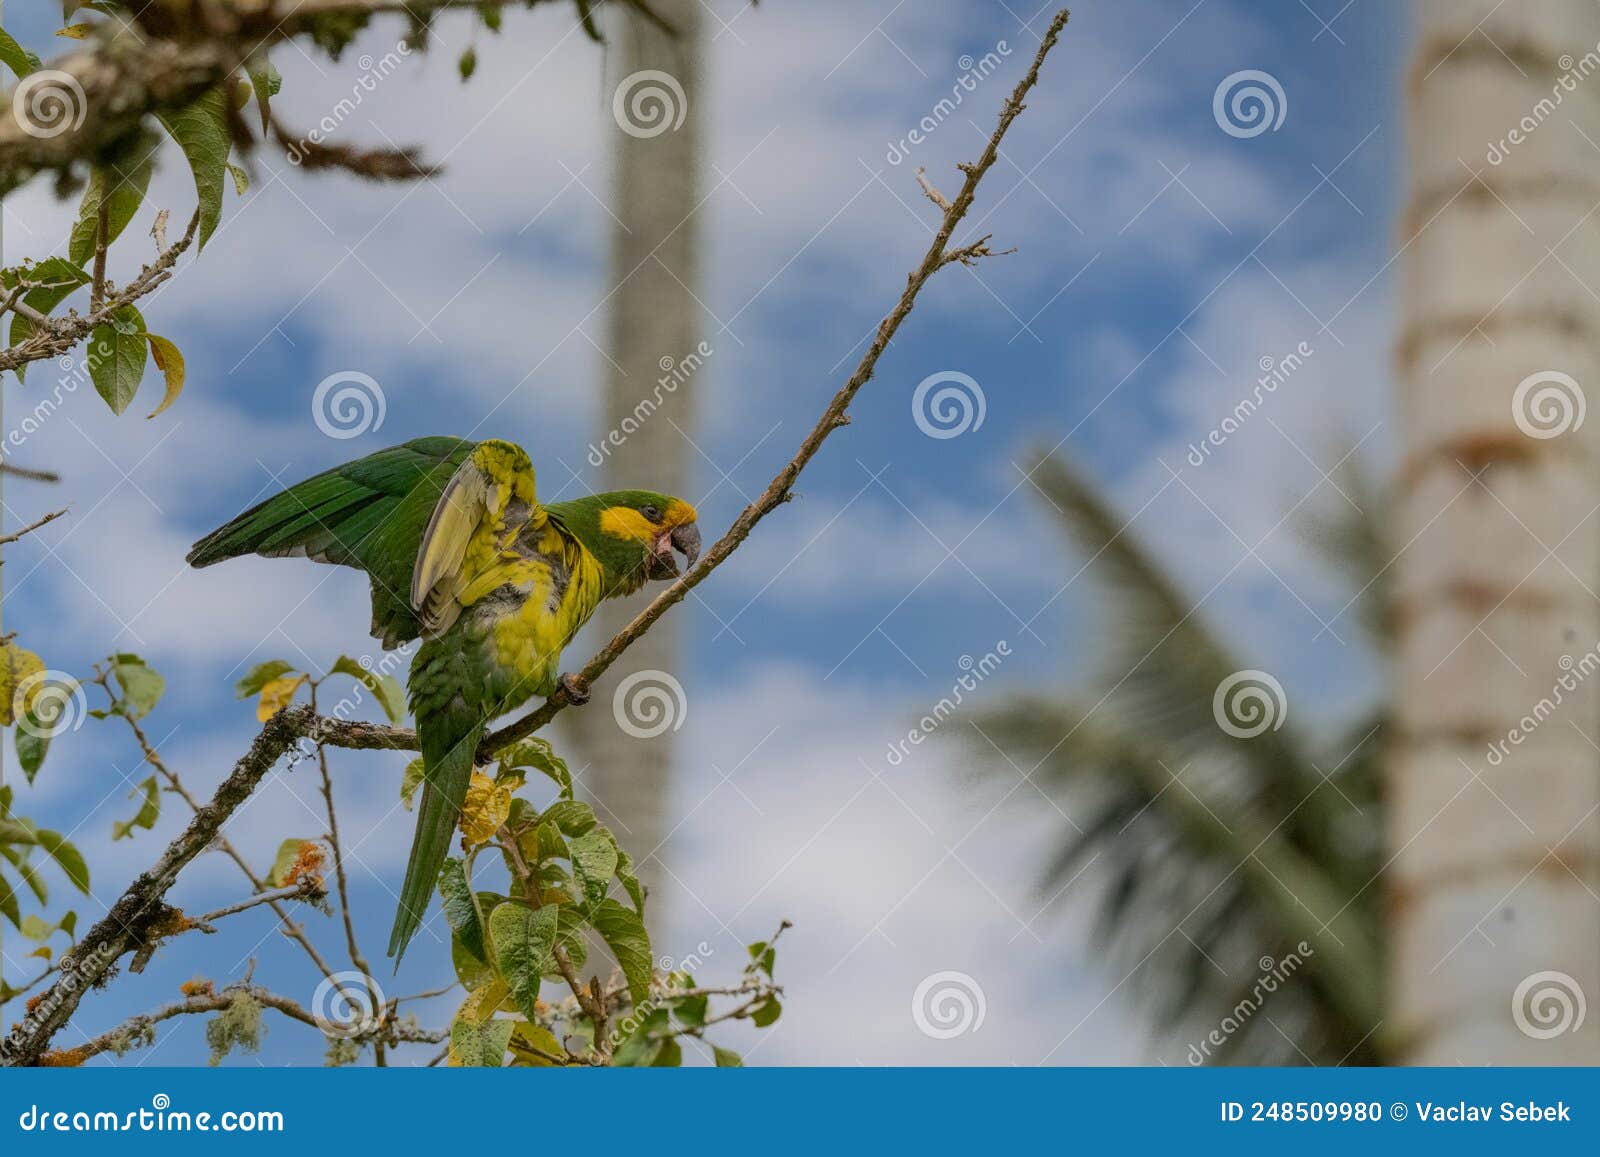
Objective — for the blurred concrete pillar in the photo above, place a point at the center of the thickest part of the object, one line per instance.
(1494, 778)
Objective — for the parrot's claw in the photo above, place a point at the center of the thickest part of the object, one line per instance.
(577, 693)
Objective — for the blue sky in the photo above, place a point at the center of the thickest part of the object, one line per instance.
(1159, 260)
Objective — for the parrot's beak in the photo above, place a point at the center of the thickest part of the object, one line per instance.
(685, 540)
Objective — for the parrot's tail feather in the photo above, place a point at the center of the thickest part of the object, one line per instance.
(448, 770)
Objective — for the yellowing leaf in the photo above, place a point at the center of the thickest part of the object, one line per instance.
(277, 695)
(486, 807)
(483, 1002)
(75, 31)
(533, 1045)
(17, 665)
(169, 361)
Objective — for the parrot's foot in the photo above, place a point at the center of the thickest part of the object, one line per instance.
(577, 693)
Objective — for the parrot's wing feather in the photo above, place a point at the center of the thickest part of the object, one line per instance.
(369, 514)
(488, 499)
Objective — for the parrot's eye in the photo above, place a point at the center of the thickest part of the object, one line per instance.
(651, 512)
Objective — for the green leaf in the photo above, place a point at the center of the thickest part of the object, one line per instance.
(543, 843)
(35, 882)
(630, 880)
(410, 781)
(67, 857)
(570, 926)
(8, 903)
(624, 932)
(149, 810)
(117, 357)
(766, 1012)
(258, 677)
(573, 817)
(241, 179)
(644, 1045)
(523, 938)
(15, 57)
(536, 754)
(122, 182)
(36, 929)
(468, 64)
(32, 742)
(691, 1011)
(142, 686)
(763, 956)
(201, 130)
(459, 910)
(169, 361)
(267, 83)
(480, 1045)
(470, 971)
(388, 692)
(727, 1058)
(594, 862)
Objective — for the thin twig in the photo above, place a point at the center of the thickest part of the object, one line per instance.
(374, 997)
(30, 475)
(7, 539)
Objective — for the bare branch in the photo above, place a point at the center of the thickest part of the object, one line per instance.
(7, 539)
(31, 475)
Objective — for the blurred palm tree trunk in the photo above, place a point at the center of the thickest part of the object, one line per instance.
(1494, 876)
(655, 273)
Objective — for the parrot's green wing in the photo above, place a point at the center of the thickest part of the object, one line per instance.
(370, 514)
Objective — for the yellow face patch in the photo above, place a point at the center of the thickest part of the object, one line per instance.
(627, 523)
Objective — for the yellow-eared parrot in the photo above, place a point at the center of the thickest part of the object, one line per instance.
(463, 555)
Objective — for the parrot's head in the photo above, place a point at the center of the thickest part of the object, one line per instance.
(633, 534)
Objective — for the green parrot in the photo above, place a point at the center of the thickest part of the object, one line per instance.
(463, 555)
